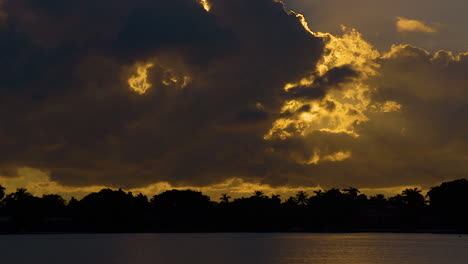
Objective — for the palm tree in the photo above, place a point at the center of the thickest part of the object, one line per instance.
(276, 197)
(318, 193)
(21, 194)
(225, 198)
(259, 194)
(410, 191)
(413, 197)
(301, 198)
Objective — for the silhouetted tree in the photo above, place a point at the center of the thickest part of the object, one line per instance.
(52, 205)
(191, 211)
(225, 198)
(449, 203)
(73, 203)
(302, 198)
(276, 198)
(291, 203)
(318, 193)
(20, 195)
(378, 198)
(408, 207)
(413, 198)
(259, 194)
(73, 207)
(185, 210)
(352, 192)
(2, 192)
(107, 210)
(24, 208)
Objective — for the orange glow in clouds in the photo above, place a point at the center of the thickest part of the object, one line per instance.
(340, 110)
(205, 5)
(139, 83)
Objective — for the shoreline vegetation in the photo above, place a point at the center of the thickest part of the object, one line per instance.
(443, 210)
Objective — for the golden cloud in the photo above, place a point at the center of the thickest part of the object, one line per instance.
(318, 157)
(253, 70)
(340, 109)
(412, 25)
(390, 106)
(206, 5)
(164, 76)
(139, 82)
(39, 183)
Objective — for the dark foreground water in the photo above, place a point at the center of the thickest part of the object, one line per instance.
(234, 248)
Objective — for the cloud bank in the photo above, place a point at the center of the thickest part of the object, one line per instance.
(197, 93)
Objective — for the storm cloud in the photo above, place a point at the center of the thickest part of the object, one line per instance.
(131, 93)
(66, 107)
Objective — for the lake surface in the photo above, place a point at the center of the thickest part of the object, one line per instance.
(234, 248)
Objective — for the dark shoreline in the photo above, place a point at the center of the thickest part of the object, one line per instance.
(188, 211)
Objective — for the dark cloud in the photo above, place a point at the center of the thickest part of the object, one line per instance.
(424, 143)
(305, 108)
(251, 115)
(218, 83)
(322, 84)
(330, 105)
(67, 108)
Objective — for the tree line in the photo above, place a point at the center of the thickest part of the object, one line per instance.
(443, 209)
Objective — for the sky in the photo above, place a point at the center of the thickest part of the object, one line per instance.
(231, 96)
(377, 21)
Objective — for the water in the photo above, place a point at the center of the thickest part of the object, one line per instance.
(234, 248)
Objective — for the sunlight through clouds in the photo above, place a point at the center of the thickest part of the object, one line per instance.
(340, 109)
(139, 83)
(248, 90)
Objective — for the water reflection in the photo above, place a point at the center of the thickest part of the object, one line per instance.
(235, 248)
